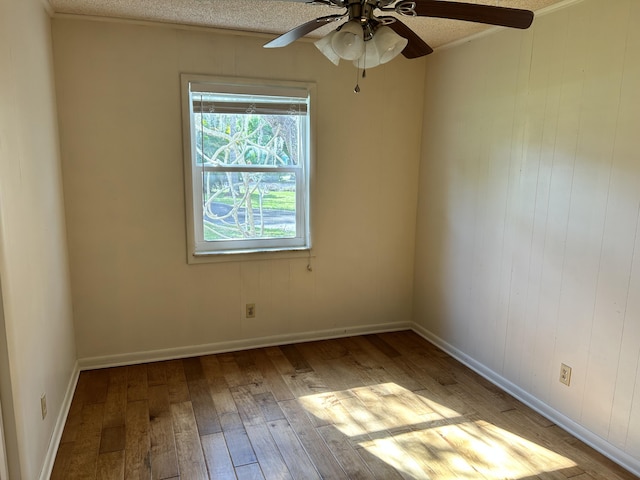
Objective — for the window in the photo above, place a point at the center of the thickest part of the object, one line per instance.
(247, 164)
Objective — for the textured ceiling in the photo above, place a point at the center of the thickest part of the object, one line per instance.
(271, 16)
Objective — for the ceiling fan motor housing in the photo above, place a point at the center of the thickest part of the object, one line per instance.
(363, 11)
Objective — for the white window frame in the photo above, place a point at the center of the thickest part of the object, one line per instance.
(200, 250)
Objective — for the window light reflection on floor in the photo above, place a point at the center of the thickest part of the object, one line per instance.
(427, 440)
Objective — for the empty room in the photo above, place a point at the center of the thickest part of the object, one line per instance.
(272, 239)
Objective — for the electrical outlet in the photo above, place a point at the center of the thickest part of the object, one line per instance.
(565, 374)
(251, 310)
(43, 405)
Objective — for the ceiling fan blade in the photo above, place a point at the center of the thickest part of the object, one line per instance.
(470, 12)
(301, 30)
(416, 46)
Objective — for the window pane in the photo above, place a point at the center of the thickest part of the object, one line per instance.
(248, 139)
(245, 205)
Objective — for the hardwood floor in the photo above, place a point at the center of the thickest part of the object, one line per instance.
(388, 406)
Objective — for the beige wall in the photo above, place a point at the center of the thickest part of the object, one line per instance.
(119, 95)
(527, 238)
(37, 352)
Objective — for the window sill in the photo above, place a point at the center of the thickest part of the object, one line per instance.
(247, 256)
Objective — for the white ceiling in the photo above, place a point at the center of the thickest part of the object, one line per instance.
(271, 16)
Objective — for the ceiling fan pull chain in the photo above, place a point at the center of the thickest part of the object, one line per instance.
(364, 69)
(364, 61)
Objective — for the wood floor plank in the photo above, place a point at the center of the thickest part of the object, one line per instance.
(232, 373)
(493, 399)
(269, 458)
(252, 375)
(273, 378)
(371, 424)
(395, 409)
(224, 402)
(268, 406)
(86, 446)
(112, 439)
(136, 383)
(326, 349)
(381, 414)
(405, 341)
(62, 462)
(190, 456)
(518, 454)
(244, 359)
(296, 358)
(319, 362)
(74, 418)
(309, 383)
(163, 453)
(378, 465)
(534, 416)
(116, 401)
(203, 407)
(311, 440)
(239, 447)
(231, 421)
(213, 373)
(390, 452)
(433, 390)
(594, 462)
(192, 369)
(248, 409)
(279, 361)
(176, 382)
(156, 373)
(350, 371)
(316, 405)
(442, 460)
(348, 458)
(137, 445)
(199, 392)
(250, 472)
(110, 466)
(417, 453)
(371, 356)
(96, 386)
(341, 416)
(217, 457)
(292, 451)
(379, 343)
(440, 369)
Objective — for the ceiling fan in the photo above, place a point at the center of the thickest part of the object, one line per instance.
(369, 40)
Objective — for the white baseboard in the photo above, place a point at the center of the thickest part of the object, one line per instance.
(58, 428)
(596, 442)
(91, 363)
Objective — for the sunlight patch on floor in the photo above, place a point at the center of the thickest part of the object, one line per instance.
(428, 440)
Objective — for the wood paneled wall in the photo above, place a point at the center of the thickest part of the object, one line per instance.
(528, 253)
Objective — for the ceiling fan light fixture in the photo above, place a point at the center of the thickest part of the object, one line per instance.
(324, 45)
(348, 42)
(388, 44)
(370, 58)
